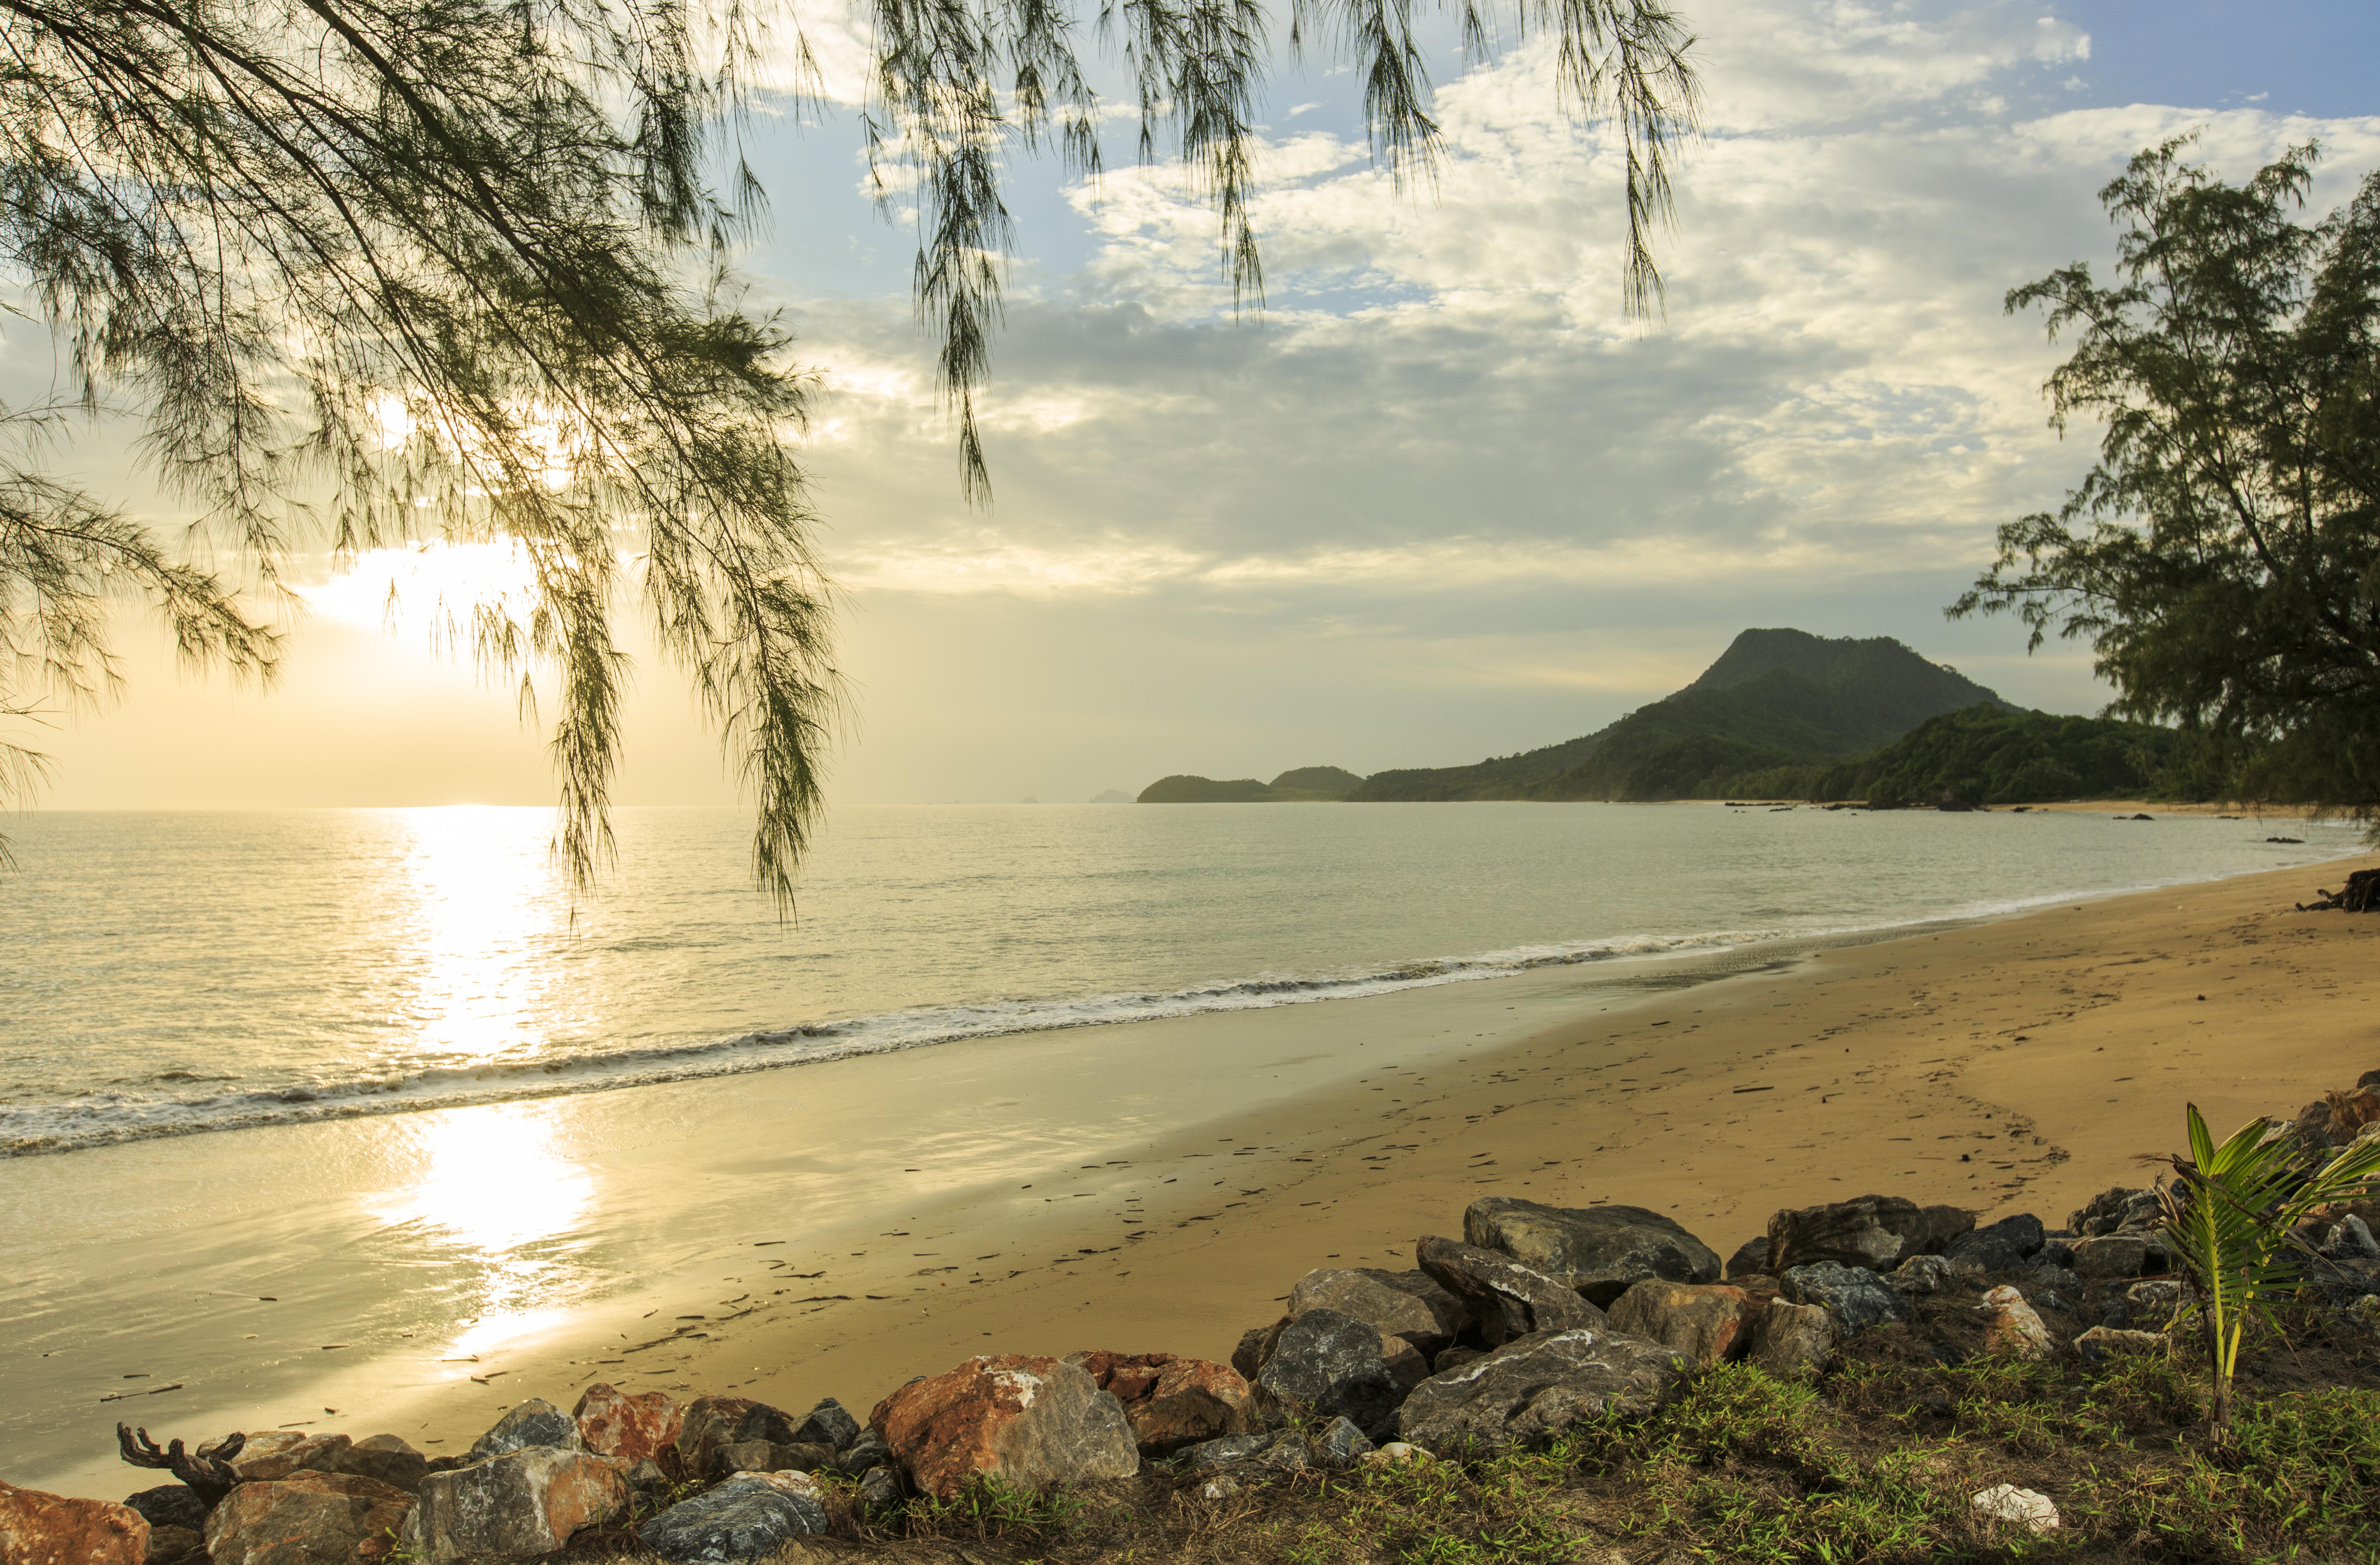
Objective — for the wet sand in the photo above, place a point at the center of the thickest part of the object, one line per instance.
(838, 1229)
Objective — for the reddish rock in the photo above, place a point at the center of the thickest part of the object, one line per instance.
(529, 1501)
(45, 1529)
(1712, 1322)
(612, 1423)
(176, 1545)
(1172, 1402)
(279, 1452)
(309, 1518)
(1032, 1421)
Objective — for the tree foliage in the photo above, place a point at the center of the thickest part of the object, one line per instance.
(2223, 556)
(374, 273)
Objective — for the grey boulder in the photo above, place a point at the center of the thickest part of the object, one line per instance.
(828, 1424)
(1410, 1304)
(1750, 1259)
(1278, 1451)
(2118, 1256)
(2350, 1240)
(743, 1520)
(533, 1423)
(1537, 1387)
(1874, 1232)
(2006, 1246)
(390, 1458)
(1600, 1251)
(1331, 1363)
(1340, 1444)
(1789, 1339)
(1922, 1274)
(1506, 1298)
(171, 1505)
(1854, 1297)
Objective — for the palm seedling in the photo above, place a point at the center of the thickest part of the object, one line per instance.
(2228, 1218)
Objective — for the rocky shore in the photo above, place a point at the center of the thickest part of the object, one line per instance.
(1539, 1322)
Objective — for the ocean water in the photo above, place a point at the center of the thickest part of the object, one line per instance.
(171, 973)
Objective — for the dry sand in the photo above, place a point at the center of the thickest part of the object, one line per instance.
(2010, 1066)
(839, 1229)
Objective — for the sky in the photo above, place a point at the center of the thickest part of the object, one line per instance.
(1441, 499)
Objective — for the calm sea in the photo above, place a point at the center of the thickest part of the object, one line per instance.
(164, 974)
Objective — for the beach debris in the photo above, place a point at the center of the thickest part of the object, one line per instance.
(1409, 1305)
(1856, 1297)
(207, 1471)
(2024, 1508)
(308, 1518)
(1396, 1453)
(1506, 1299)
(2360, 894)
(1171, 1402)
(2109, 1341)
(2012, 1328)
(1791, 1339)
(1874, 1232)
(1030, 1420)
(1534, 1389)
(532, 1422)
(1710, 1322)
(39, 1526)
(1333, 1366)
(632, 1429)
(529, 1501)
(1600, 1251)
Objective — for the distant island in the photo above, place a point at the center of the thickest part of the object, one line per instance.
(1784, 714)
(1305, 785)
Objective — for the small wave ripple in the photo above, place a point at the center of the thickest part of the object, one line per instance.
(102, 1118)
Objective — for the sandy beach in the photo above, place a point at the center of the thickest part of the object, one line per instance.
(838, 1229)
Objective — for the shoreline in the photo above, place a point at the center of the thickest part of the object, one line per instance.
(989, 1149)
(47, 1129)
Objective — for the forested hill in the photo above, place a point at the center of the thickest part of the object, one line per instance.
(1774, 698)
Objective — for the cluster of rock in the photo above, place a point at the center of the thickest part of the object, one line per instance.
(1538, 1319)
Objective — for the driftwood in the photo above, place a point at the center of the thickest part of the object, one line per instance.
(207, 1471)
(2360, 894)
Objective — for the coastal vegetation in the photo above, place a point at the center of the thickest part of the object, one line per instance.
(1988, 755)
(2222, 558)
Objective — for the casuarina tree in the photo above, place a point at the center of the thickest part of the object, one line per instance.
(371, 273)
(2223, 556)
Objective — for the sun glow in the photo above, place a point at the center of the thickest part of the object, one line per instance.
(430, 584)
